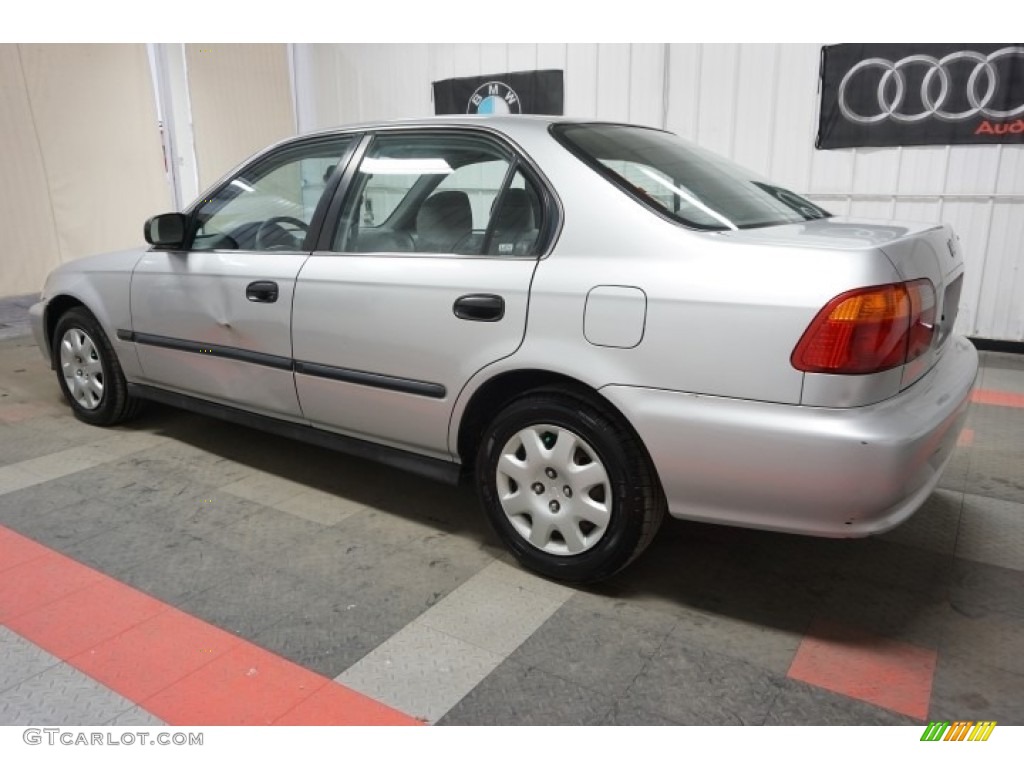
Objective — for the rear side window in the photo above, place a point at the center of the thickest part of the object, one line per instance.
(440, 194)
(682, 181)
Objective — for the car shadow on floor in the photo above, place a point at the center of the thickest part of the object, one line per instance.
(775, 581)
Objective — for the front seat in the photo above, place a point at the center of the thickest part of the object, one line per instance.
(444, 219)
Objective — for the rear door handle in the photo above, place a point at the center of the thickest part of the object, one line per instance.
(264, 291)
(483, 307)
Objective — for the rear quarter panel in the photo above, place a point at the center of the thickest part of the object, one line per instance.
(722, 317)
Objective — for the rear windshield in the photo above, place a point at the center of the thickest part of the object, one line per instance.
(682, 181)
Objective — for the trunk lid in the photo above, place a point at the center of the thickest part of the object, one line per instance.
(933, 253)
(915, 250)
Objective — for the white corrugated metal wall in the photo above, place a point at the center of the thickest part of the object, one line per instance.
(756, 104)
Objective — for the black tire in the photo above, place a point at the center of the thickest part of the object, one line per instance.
(637, 502)
(114, 405)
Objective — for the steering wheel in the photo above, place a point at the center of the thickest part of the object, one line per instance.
(273, 226)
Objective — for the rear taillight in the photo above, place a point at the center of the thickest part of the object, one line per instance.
(869, 330)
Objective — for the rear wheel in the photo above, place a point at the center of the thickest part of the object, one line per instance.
(568, 488)
(88, 371)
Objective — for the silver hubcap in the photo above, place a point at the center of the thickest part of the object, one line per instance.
(554, 490)
(81, 368)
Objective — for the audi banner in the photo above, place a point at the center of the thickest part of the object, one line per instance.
(537, 92)
(903, 94)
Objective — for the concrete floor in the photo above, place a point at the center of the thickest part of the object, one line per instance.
(382, 583)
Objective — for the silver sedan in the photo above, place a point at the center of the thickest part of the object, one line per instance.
(594, 323)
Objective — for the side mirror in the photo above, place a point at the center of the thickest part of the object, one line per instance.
(166, 230)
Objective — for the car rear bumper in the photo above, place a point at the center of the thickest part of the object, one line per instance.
(838, 472)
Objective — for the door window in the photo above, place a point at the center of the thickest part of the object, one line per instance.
(438, 194)
(269, 205)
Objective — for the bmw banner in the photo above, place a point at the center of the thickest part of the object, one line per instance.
(538, 92)
(903, 94)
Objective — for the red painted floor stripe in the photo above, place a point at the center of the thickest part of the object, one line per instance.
(966, 438)
(997, 397)
(884, 672)
(181, 669)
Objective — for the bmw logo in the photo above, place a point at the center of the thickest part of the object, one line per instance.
(494, 98)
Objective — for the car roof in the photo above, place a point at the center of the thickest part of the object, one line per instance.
(495, 121)
(511, 125)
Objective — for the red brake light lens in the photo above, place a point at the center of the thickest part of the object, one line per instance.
(868, 330)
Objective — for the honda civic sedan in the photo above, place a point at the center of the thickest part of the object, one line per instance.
(595, 324)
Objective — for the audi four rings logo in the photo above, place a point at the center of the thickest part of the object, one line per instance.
(935, 85)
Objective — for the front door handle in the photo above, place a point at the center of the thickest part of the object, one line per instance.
(483, 307)
(264, 291)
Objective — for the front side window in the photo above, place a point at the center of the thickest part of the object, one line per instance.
(269, 205)
(678, 179)
(441, 194)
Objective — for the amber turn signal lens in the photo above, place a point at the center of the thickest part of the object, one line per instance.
(868, 330)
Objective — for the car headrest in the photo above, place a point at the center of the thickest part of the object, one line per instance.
(516, 212)
(444, 219)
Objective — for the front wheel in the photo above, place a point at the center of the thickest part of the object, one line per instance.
(88, 371)
(568, 488)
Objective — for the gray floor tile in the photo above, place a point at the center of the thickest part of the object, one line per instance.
(887, 563)
(179, 565)
(934, 526)
(954, 476)
(70, 527)
(996, 472)
(489, 612)
(250, 598)
(108, 482)
(36, 500)
(61, 695)
(801, 704)
(320, 507)
(992, 531)
(720, 571)
(968, 689)
(200, 512)
(996, 640)
(978, 590)
(331, 632)
(20, 659)
(916, 617)
(590, 649)
(420, 671)
(261, 532)
(644, 617)
(624, 715)
(516, 695)
(753, 639)
(29, 440)
(136, 716)
(694, 686)
(122, 548)
(1004, 374)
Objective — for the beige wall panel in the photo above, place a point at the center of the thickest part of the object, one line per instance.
(30, 242)
(95, 117)
(241, 102)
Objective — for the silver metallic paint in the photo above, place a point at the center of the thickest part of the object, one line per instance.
(392, 314)
(823, 471)
(200, 296)
(736, 433)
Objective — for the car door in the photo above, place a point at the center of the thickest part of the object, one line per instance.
(424, 281)
(214, 319)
